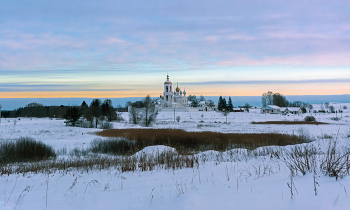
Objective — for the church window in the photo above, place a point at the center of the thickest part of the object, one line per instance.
(166, 97)
(170, 88)
(166, 87)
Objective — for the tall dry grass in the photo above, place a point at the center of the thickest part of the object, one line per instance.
(143, 162)
(291, 123)
(190, 142)
(24, 149)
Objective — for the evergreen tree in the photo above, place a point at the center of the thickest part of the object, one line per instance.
(220, 104)
(195, 102)
(230, 105)
(108, 110)
(83, 106)
(280, 100)
(96, 109)
(105, 106)
(72, 116)
(191, 98)
(224, 104)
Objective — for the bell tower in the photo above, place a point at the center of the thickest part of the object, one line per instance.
(168, 92)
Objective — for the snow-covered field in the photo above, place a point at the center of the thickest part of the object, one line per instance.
(223, 181)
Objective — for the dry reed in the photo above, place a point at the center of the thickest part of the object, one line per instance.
(189, 142)
(291, 123)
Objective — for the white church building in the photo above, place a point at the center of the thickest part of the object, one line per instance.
(176, 100)
(172, 98)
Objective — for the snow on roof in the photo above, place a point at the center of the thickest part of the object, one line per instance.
(283, 108)
(270, 107)
(265, 107)
(293, 109)
(274, 107)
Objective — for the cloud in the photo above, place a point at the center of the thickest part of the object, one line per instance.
(114, 40)
(64, 40)
(324, 60)
(18, 87)
(264, 82)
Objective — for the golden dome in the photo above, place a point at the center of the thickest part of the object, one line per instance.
(177, 88)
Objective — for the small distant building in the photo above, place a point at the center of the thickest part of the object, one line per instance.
(238, 110)
(295, 110)
(209, 105)
(271, 109)
(284, 110)
(202, 106)
(291, 110)
(205, 106)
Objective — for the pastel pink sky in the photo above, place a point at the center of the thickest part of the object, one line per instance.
(121, 49)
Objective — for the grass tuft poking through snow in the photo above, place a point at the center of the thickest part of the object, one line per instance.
(24, 149)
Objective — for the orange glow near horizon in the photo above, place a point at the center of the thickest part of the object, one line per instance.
(74, 94)
(224, 90)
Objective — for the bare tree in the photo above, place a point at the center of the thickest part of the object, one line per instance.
(310, 106)
(118, 114)
(146, 114)
(225, 112)
(246, 107)
(322, 107)
(211, 103)
(326, 105)
(269, 98)
(264, 99)
(150, 112)
(134, 117)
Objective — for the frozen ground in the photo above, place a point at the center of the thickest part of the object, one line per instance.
(223, 181)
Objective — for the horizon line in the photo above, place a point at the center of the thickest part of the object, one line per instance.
(158, 96)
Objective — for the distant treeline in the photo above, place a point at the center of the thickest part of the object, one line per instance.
(278, 99)
(38, 110)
